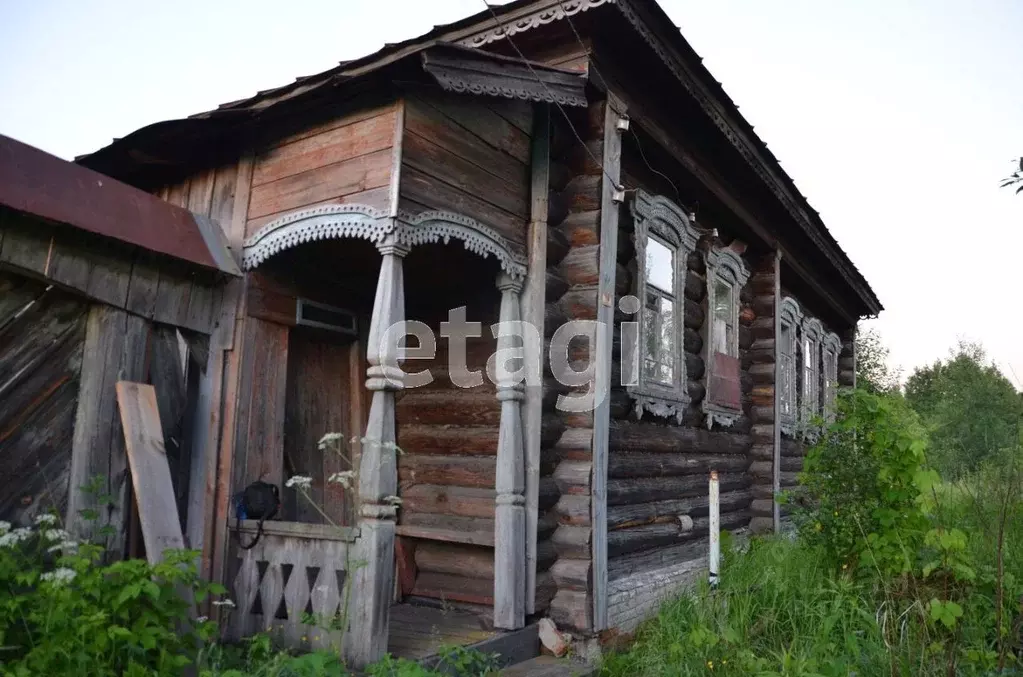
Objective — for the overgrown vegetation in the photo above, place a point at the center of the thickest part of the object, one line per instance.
(893, 572)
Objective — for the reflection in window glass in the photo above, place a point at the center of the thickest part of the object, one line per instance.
(660, 266)
(723, 330)
(788, 373)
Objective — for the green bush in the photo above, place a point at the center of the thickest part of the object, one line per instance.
(862, 485)
(64, 613)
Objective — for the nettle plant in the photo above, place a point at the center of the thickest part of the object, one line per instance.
(63, 612)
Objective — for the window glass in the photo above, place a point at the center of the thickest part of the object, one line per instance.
(660, 266)
(659, 358)
(723, 329)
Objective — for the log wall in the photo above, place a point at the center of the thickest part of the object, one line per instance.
(468, 155)
(572, 279)
(658, 471)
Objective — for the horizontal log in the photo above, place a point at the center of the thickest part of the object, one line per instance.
(763, 328)
(579, 303)
(581, 266)
(583, 193)
(558, 207)
(581, 228)
(572, 574)
(556, 284)
(572, 610)
(652, 536)
(694, 366)
(762, 433)
(573, 477)
(642, 464)
(559, 174)
(454, 406)
(649, 560)
(636, 514)
(655, 437)
(692, 341)
(766, 468)
(692, 314)
(548, 493)
(546, 588)
(546, 555)
(623, 492)
(575, 439)
(572, 542)
(463, 471)
(455, 588)
(471, 561)
(695, 287)
(574, 510)
(557, 246)
(459, 501)
(762, 507)
(435, 439)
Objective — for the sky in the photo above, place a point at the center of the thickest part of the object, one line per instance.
(896, 118)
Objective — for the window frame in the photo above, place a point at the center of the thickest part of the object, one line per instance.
(810, 386)
(723, 265)
(831, 349)
(657, 217)
(790, 316)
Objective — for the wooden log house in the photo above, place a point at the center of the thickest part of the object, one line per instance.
(608, 178)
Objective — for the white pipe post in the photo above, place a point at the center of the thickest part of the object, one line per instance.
(715, 529)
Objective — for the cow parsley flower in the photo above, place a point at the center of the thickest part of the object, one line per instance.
(330, 438)
(59, 576)
(300, 482)
(46, 519)
(15, 537)
(225, 603)
(4, 527)
(56, 535)
(345, 478)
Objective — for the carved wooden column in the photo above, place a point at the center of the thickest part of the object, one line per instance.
(510, 518)
(378, 477)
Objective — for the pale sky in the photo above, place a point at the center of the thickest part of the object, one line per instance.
(896, 118)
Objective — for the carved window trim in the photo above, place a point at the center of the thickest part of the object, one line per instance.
(790, 317)
(810, 367)
(658, 217)
(831, 348)
(723, 265)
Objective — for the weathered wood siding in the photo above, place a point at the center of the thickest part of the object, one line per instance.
(42, 333)
(468, 155)
(345, 159)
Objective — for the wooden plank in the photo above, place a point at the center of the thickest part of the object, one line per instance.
(534, 304)
(441, 163)
(427, 190)
(328, 182)
(377, 198)
(428, 122)
(264, 391)
(344, 142)
(397, 150)
(478, 119)
(150, 472)
(614, 110)
(242, 198)
(27, 244)
(116, 348)
(143, 285)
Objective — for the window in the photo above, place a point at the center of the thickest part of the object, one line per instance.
(832, 347)
(790, 318)
(654, 367)
(811, 363)
(726, 275)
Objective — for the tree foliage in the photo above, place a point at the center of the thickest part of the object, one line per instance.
(970, 409)
(873, 373)
(1016, 178)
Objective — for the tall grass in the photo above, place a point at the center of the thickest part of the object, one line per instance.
(780, 611)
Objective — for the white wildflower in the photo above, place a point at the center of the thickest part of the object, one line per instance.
(4, 527)
(56, 535)
(393, 500)
(59, 576)
(15, 537)
(46, 518)
(64, 545)
(330, 438)
(202, 619)
(345, 478)
(224, 602)
(300, 482)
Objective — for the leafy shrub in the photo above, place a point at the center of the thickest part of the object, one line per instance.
(63, 613)
(862, 485)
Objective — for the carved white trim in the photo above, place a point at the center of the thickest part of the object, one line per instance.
(790, 316)
(662, 218)
(812, 331)
(329, 222)
(831, 348)
(530, 21)
(340, 221)
(436, 226)
(722, 417)
(540, 94)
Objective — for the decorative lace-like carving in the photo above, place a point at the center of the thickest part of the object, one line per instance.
(531, 21)
(659, 406)
(547, 94)
(329, 222)
(437, 226)
(339, 221)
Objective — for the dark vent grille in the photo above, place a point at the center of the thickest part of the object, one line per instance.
(313, 314)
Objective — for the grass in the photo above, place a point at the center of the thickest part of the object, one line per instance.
(780, 611)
